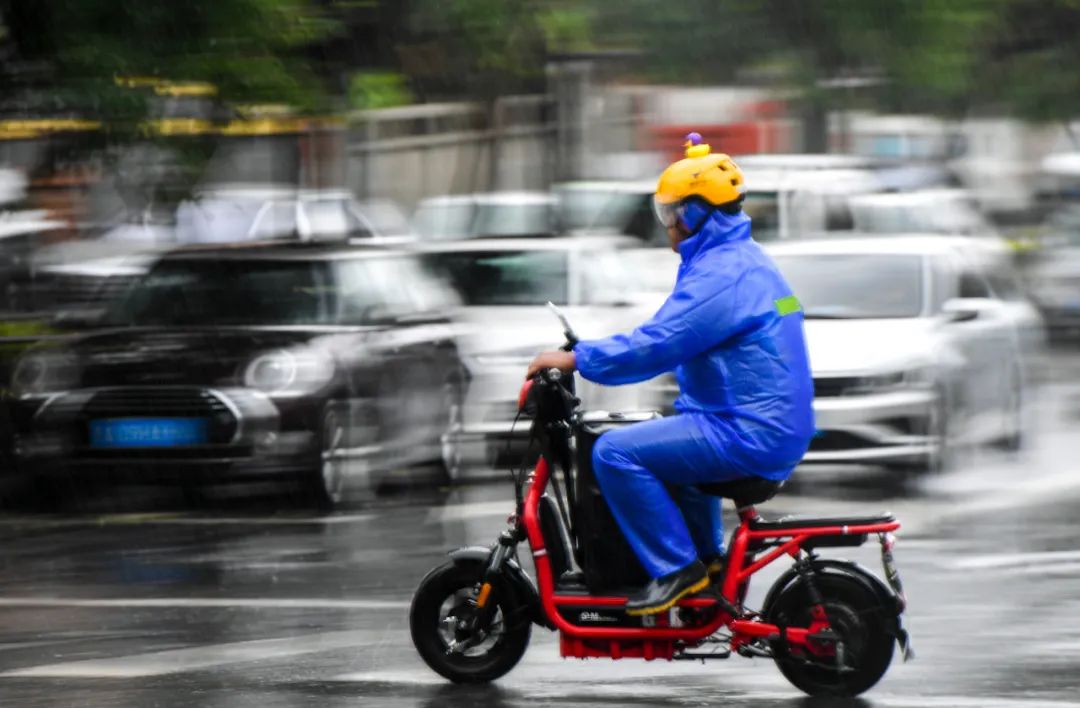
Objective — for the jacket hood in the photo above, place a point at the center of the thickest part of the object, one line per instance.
(718, 229)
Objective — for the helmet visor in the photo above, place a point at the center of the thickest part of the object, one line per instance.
(667, 214)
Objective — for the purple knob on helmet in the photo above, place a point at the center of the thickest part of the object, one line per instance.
(693, 139)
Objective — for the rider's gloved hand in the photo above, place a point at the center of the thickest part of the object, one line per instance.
(564, 361)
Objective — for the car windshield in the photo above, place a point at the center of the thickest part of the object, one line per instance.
(506, 277)
(513, 219)
(227, 292)
(385, 217)
(274, 220)
(763, 208)
(443, 221)
(329, 217)
(856, 286)
(943, 217)
(608, 209)
(596, 207)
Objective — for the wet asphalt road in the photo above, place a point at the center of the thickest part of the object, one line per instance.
(236, 605)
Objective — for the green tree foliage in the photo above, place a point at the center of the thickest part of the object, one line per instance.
(248, 49)
(377, 89)
(945, 56)
(482, 47)
(1029, 59)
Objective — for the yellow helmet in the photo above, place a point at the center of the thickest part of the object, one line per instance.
(712, 177)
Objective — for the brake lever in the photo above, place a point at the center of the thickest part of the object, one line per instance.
(568, 331)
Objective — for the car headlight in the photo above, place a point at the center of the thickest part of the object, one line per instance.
(920, 377)
(44, 373)
(289, 372)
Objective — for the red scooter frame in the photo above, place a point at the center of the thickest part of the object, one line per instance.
(658, 641)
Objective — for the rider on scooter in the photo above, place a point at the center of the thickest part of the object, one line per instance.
(733, 333)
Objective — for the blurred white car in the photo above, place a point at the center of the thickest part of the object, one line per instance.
(236, 213)
(625, 207)
(911, 348)
(789, 196)
(1053, 273)
(928, 211)
(610, 206)
(486, 215)
(505, 285)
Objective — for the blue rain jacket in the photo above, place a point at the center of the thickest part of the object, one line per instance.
(733, 334)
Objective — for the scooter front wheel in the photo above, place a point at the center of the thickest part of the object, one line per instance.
(448, 637)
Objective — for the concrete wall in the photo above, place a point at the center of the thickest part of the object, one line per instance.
(410, 153)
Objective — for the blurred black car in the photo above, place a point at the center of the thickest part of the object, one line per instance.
(325, 364)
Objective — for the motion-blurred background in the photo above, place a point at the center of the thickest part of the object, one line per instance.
(271, 272)
(309, 241)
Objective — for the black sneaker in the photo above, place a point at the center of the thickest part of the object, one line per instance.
(715, 566)
(662, 593)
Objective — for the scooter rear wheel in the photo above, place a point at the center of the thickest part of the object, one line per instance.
(859, 622)
(445, 600)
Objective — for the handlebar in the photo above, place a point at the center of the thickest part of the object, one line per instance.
(558, 389)
(551, 375)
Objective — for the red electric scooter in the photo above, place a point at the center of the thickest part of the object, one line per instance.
(830, 625)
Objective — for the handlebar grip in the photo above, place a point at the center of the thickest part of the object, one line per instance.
(546, 376)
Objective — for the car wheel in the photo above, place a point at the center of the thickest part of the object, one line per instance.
(337, 479)
(451, 452)
(1012, 439)
(411, 421)
(938, 425)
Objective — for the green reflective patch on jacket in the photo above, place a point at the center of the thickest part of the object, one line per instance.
(788, 305)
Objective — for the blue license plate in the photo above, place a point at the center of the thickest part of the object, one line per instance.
(147, 432)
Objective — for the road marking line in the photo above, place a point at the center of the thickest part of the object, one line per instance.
(177, 519)
(206, 602)
(175, 661)
(40, 643)
(464, 512)
(265, 520)
(1014, 560)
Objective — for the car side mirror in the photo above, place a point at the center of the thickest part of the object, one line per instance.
(965, 309)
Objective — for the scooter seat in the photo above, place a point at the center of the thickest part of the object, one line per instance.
(800, 522)
(744, 492)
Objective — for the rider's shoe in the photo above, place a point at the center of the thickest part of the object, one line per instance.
(662, 593)
(715, 565)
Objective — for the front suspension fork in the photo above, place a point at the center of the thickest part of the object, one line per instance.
(474, 628)
(486, 600)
